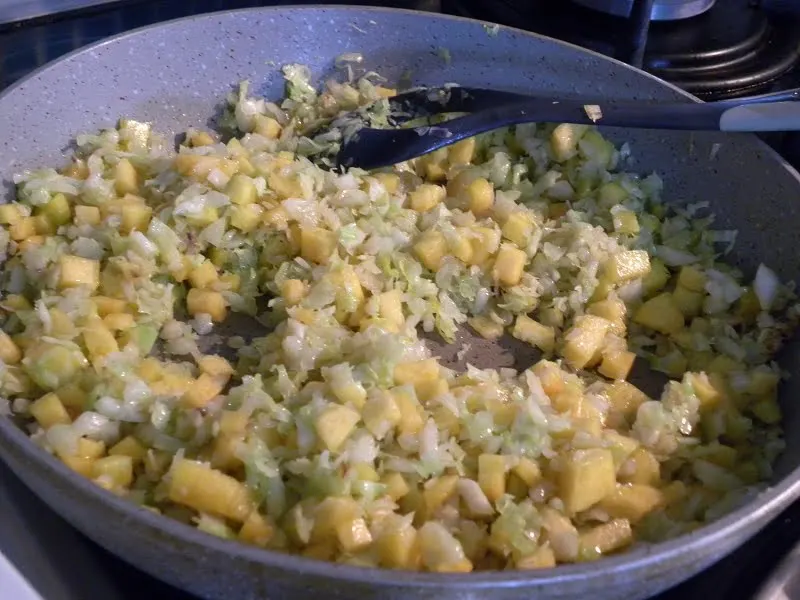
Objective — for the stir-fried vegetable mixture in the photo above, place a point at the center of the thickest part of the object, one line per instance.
(337, 435)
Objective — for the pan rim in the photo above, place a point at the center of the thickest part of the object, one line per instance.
(635, 562)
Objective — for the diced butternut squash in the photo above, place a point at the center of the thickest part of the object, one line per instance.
(519, 228)
(528, 471)
(438, 491)
(117, 470)
(246, 217)
(202, 391)
(396, 485)
(257, 530)
(293, 291)
(317, 244)
(241, 189)
(119, 321)
(381, 414)
(330, 512)
(641, 467)
(632, 502)
(135, 217)
(534, 333)
(542, 558)
(396, 544)
(692, 278)
(627, 266)
(129, 446)
(49, 410)
(426, 197)
(584, 339)
(10, 353)
(462, 152)
(107, 306)
(99, 340)
(204, 275)
(480, 196)
(492, 475)
(508, 265)
(126, 180)
(587, 476)
(564, 140)
(661, 314)
(625, 398)
(561, 534)
(617, 364)
(215, 366)
(441, 552)
(9, 214)
(411, 412)
(353, 535)
(77, 271)
(430, 248)
(486, 327)
(267, 126)
(688, 302)
(204, 489)
(416, 372)
(613, 310)
(57, 211)
(208, 302)
(335, 424)
(604, 539)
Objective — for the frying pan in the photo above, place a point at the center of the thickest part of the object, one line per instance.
(175, 75)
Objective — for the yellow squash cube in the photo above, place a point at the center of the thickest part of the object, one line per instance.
(381, 414)
(77, 271)
(480, 196)
(57, 211)
(241, 189)
(126, 181)
(627, 266)
(492, 475)
(10, 353)
(215, 366)
(462, 152)
(534, 333)
(632, 502)
(430, 248)
(204, 489)
(293, 291)
(208, 302)
(661, 314)
(117, 469)
(335, 424)
(203, 390)
(604, 539)
(625, 398)
(641, 467)
(9, 214)
(584, 340)
(688, 302)
(204, 275)
(99, 340)
(692, 278)
(411, 412)
(587, 476)
(542, 558)
(317, 244)
(509, 265)
(396, 485)
(564, 140)
(486, 327)
(257, 530)
(49, 410)
(519, 228)
(135, 217)
(396, 544)
(129, 446)
(617, 364)
(391, 307)
(23, 229)
(107, 306)
(426, 197)
(246, 217)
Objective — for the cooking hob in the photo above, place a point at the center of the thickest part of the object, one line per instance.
(736, 48)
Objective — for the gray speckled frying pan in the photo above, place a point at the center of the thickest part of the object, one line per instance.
(175, 75)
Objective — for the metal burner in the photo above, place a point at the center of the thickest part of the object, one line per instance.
(663, 10)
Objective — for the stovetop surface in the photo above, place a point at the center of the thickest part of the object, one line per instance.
(63, 565)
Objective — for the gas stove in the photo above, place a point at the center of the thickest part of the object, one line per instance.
(733, 48)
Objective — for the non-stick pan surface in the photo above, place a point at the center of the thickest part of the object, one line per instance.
(175, 75)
